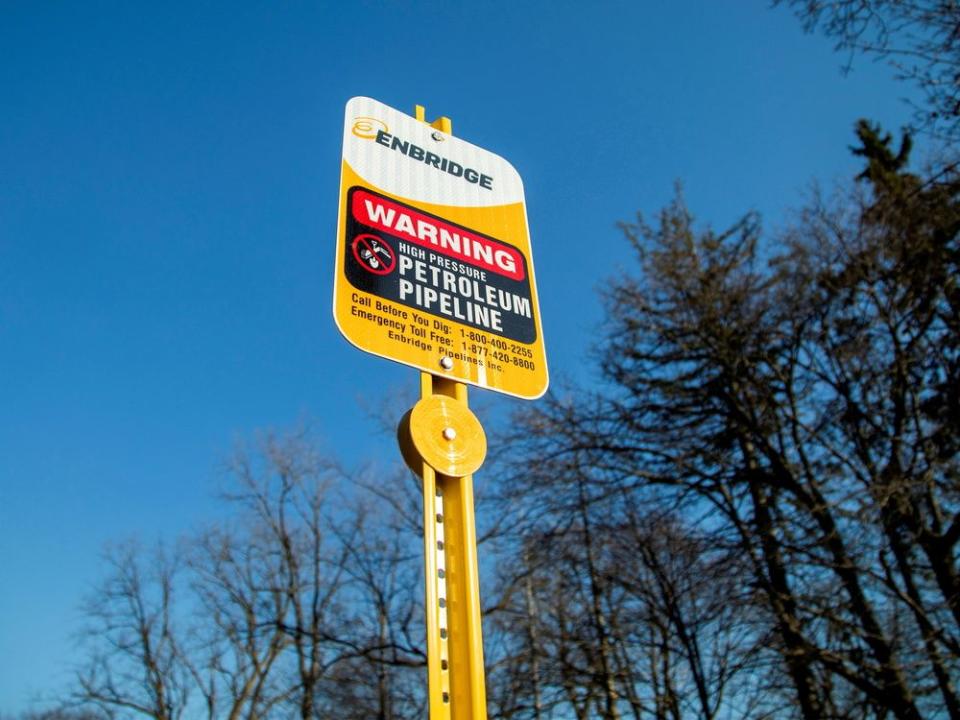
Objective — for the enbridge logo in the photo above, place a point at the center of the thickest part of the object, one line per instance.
(368, 127)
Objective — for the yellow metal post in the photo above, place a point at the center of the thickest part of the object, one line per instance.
(455, 672)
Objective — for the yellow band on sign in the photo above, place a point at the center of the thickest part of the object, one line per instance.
(434, 267)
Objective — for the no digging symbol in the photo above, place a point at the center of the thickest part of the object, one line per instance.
(373, 254)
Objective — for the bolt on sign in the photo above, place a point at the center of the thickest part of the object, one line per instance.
(434, 268)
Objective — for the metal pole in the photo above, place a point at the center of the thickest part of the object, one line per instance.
(455, 672)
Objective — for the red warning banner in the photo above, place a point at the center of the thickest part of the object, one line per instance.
(438, 235)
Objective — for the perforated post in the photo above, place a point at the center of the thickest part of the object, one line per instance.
(444, 443)
(457, 682)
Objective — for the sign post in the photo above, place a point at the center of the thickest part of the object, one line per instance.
(434, 270)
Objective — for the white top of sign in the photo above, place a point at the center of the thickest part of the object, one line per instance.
(403, 156)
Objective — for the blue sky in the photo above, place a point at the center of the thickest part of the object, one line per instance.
(168, 203)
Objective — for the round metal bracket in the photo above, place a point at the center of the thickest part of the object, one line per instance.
(443, 433)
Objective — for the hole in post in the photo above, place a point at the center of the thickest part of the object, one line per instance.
(443, 602)
(446, 697)
(441, 573)
(443, 633)
(444, 664)
(439, 544)
(439, 518)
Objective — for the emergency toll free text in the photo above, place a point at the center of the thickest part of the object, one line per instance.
(434, 336)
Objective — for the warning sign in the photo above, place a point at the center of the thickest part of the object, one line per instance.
(433, 267)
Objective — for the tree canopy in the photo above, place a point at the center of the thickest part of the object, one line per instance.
(792, 412)
(918, 38)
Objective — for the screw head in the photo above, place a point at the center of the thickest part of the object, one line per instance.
(437, 135)
(446, 362)
(449, 434)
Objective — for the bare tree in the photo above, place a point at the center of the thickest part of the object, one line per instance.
(919, 38)
(136, 660)
(238, 641)
(290, 603)
(56, 713)
(614, 608)
(281, 491)
(383, 673)
(802, 417)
